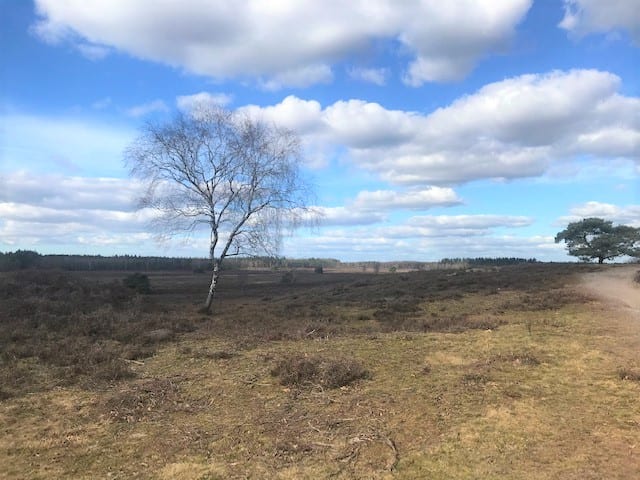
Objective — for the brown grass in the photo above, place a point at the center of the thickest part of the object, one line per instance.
(303, 370)
(486, 374)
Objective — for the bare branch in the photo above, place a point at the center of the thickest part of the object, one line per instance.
(238, 176)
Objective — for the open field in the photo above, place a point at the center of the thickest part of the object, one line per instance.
(529, 371)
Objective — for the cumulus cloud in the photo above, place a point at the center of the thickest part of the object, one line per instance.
(55, 33)
(510, 129)
(371, 207)
(458, 34)
(55, 210)
(625, 215)
(404, 243)
(69, 192)
(582, 17)
(287, 43)
(300, 77)
(303, 116)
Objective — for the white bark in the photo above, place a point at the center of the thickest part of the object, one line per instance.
(212, 287)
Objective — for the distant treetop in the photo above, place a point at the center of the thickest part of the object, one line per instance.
(598, 239)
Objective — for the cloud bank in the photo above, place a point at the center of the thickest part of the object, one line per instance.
(583, 17)
(515, 128)
(287, 43)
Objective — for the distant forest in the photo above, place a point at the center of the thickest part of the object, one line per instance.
(25, 259)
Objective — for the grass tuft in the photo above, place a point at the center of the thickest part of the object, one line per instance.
(302, 370)
(625, 373)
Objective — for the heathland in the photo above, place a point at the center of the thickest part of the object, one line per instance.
(511, 372)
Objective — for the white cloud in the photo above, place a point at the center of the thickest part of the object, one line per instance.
(69, 192)
(465, 222)
(189, 102)
(510, 129)
(343, 216)
(298, 77)
(50, 30)
(405, 243)
(375, 207)
(627, 215)
(361, 124)
(62, 210)
(303, 116)
(438, 226)
(287, 43)
(77, 218)
(45, 225)
(377, 76)
(155, 106)
(413, 200)
(458, 35)
(57, 32)
(582, 17)
(370, 207)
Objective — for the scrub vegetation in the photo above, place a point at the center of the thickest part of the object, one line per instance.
(491, 372)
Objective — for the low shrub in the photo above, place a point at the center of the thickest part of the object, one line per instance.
(287, 278)
(151, 397)
(69, 331)
(302, 370)
(138, 282)
(629, 374)
(112, 370)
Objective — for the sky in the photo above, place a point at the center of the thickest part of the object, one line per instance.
(430, 129)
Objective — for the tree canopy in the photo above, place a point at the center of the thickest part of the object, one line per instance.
(236, 176)
(596, 238)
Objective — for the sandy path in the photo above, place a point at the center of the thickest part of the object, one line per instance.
(615, 285)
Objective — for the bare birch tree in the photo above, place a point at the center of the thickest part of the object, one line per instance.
(235, 176)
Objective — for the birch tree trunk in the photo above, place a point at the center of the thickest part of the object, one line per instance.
(212, 287)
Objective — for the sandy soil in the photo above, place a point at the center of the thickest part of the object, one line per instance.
(615, 285)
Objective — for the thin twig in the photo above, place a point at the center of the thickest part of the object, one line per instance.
(137, 362)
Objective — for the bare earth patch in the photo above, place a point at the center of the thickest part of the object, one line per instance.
(616, 285)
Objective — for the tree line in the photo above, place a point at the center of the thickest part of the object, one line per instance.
(24, 259)
(487, 261)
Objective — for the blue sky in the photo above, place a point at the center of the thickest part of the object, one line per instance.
(431, 129)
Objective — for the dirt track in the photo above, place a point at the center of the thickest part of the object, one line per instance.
(615, 285)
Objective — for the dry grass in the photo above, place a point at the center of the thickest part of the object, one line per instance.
(323, 372)
(507, 374)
